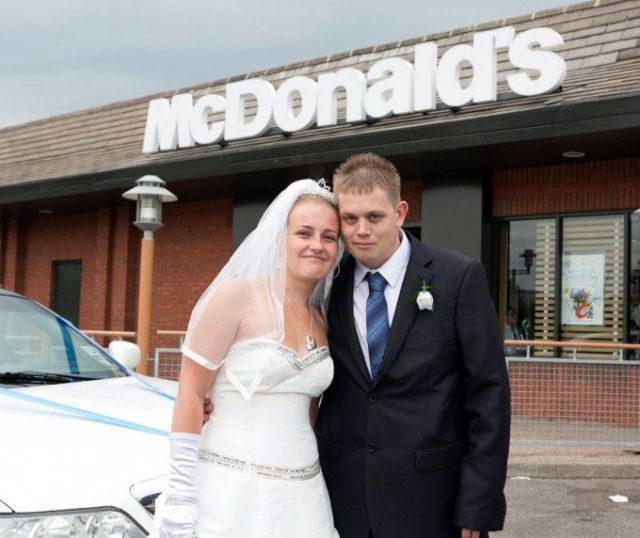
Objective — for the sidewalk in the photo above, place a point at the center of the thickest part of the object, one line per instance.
(557, 461)
(571, 508)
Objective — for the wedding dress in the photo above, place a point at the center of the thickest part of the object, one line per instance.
(253, 472)
(258, 470)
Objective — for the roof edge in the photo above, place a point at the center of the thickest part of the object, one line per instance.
(533, 124)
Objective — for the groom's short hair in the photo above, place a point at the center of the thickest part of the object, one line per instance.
(363, 172)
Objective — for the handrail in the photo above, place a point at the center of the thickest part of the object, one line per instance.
(120, 334)
(532, 343)
(574, 344)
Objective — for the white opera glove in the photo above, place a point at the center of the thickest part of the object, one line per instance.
(177, 511)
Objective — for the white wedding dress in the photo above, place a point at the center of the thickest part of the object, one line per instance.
(258, 470)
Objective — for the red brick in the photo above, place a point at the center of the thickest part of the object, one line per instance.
(575, 187)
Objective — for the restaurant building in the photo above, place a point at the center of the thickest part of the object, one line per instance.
(518, 142)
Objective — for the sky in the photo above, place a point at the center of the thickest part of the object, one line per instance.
(59, 56)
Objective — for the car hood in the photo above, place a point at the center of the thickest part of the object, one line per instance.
(51, 459)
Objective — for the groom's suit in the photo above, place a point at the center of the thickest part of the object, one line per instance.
(420, 451)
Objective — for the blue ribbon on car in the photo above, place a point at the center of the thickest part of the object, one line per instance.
(149, 386)
(83, 413)
(97, 417)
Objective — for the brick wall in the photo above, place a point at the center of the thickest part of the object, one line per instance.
(99, 239)
(190, 250)
(12, 255)
(607, 394)
(60, 238)
(123, 270)
(566, 188)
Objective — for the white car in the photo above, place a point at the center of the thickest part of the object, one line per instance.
(83, 441)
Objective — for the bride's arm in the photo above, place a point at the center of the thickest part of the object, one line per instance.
(211, 331)
(210, 334)
(195, 383)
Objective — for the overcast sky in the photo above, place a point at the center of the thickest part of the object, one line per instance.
(60, 56)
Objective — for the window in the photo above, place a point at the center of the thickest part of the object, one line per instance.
(530, 309)
(574, 291)
(591, 295)
(634, 285)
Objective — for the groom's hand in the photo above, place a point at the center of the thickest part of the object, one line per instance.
(207, 409)
(468, 533)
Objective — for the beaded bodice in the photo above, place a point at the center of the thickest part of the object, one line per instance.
(261, 398)
(264, 366)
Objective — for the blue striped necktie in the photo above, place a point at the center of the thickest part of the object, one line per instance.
(377, 321)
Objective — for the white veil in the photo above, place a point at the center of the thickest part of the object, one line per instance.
(254, 276)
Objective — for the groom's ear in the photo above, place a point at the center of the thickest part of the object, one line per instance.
(402, 209)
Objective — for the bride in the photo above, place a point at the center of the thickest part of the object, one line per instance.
(257, 346)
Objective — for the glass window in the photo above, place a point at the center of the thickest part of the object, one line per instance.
(591, 295)
(588, 302)
(634, 286)
(530, 308)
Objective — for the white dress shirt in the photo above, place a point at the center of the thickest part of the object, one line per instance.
(393, 271)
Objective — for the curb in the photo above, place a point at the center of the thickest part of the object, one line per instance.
(573, 470)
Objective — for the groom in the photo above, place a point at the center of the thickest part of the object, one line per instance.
(413, 433)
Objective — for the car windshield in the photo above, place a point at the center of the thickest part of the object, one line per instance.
(33, 341)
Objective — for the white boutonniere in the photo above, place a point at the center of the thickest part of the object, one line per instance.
(425, 298)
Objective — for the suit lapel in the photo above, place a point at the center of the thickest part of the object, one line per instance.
(345, 311)
(406, 309)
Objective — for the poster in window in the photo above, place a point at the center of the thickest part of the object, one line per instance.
(582, 289)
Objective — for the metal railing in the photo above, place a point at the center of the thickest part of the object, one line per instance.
(528, 344)
(172, 350)
(573, 344)
(117, 334)
(574, 401)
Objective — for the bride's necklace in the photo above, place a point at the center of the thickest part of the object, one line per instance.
(310, 341)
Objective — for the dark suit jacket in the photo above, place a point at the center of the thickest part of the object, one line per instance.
(420, 451)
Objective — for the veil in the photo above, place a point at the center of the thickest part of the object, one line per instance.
(253, 280)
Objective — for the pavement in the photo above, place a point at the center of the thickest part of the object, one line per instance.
(562, 461)
(572, 508)
(560, 491)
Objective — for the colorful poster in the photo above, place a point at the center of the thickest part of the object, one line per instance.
(583, 289)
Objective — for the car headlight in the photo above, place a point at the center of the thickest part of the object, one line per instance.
(105, 523)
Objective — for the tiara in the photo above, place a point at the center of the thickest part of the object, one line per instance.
(320, 188)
